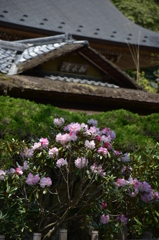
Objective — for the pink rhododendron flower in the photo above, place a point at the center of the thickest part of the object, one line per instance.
(121, 182)
(2, 175)
(84, 126)
(92, 122)
(24, 167)
(63, 139)
(105, 139)
(90, 144)
(45, 182)
(156, 195)
(61, 162)
(103, 206)
(93, 131)
(97, 170)
(133, 193)
(104, 219)
(44, 142)
(18, 171)
(12, 171)
(144, 187)
(74, 127)
(73, 136)
(59, 121)
(53, 152)
(123, 219)
(125, 158)
(36, 145)
(116, 152)
(81, 162)
(32, 180)
(28, 153)
(102, 150)
(147, 197)
(134, 182)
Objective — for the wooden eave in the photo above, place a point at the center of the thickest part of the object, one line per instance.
(119, 77)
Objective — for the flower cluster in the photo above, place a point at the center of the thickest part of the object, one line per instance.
(135, 187)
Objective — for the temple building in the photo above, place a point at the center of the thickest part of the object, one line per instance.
(99, 22)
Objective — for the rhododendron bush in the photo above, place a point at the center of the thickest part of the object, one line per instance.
(74, 172)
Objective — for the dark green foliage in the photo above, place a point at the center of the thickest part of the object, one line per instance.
(21, 119)
(142, 12)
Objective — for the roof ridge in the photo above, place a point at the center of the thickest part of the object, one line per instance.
(47, 40)
(16, 46)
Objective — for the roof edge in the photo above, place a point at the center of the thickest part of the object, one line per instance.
(47, 40)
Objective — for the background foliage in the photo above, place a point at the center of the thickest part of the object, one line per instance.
(142, 12)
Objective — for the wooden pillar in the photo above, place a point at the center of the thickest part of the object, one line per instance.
(62, 234)
(94, 235)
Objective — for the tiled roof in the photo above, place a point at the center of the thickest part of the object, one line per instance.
(82, 18)
(82, 81)
(11, 60)
(19, 56)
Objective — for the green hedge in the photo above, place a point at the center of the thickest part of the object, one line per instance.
(22, 119)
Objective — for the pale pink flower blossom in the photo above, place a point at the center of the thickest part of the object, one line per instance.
(18, 171)
(74, 127)
(102, 150)
(104, 219)
(93, 131)
(121, 182)
(24, 167)
(105, 139)
(81, 162)
(97, 170)
(28, 153)
(63, 139)
(84, 126)
(116, 152)
(90, 144)
(32, 180)
(12, 171)
(45, 182)
(133, 193)
(73, 136)
(2, 175)
(58, 121)
(53, 152)
(144, 187)
(61, 162)
(134, 182)
(156, 195)
(36, 145)
(44, 142)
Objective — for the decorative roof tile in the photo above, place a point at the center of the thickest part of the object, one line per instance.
(82, 81)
